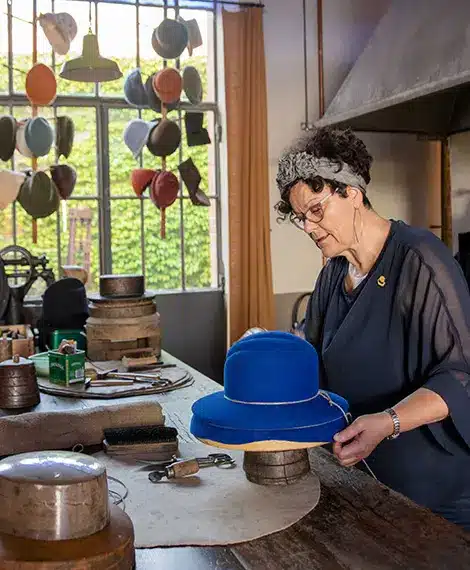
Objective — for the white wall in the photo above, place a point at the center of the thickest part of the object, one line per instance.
(404, 172)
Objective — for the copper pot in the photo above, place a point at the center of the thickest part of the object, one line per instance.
(53, 495)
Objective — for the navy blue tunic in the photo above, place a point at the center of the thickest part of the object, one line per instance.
(406, 326)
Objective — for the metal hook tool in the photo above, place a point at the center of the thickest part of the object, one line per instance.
(191, 466)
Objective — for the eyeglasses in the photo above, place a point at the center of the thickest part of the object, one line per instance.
(314, 214)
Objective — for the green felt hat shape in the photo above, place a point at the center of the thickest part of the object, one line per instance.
(38, 195)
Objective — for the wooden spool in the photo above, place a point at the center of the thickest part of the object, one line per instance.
(110, 549)
(18, 384)
(276, 467)
(53, 495)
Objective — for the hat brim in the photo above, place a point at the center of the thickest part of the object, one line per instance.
(217, 418)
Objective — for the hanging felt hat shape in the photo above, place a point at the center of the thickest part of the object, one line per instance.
(39, 136)
(64, 136)
(165, 138)
(10, 184)
(134, 90)
(192, 84)
(192, 179)
(141, 179)
(65, 178)
(168, 85)
(7, 137)
(163, 193)
(194, 34)
(21, 145)
(38, 195)
(271, 399)
(136, 135)
(60, 30)
(41, 85)
(170, 39)
(153, 99)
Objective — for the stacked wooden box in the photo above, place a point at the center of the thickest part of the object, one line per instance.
(122, 317)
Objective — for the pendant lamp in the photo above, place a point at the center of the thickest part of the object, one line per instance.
(91, 67)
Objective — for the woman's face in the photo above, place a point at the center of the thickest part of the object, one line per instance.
(327, 217)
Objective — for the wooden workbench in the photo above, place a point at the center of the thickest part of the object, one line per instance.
(358, 523)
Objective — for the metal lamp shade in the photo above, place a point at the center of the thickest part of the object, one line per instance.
(91, 67)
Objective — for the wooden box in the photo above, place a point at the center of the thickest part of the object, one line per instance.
(23, 346)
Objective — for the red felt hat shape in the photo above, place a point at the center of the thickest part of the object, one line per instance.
(168, 85)
(163, 193)
(141, 179)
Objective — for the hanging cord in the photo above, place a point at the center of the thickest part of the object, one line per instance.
(348, 418)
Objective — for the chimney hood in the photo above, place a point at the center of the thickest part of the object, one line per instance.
(414, 74)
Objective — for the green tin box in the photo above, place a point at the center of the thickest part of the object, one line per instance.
(58, 335)
(66, 369)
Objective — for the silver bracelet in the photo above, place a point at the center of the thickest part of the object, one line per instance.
(396, 423)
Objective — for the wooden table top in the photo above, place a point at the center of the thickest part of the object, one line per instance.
(358, 523)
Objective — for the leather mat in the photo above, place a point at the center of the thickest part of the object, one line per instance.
(179, 377)
(214, 507)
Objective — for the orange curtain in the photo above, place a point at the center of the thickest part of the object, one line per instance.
(251, 299)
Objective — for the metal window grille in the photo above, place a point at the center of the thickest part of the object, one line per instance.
(103, 105)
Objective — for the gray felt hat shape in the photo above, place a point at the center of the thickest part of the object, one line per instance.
(170, 39)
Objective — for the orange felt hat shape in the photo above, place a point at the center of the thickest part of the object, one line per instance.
(141, 179)
(168, 85)
(41, 85)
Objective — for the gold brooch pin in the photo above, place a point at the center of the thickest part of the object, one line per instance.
(381, 281)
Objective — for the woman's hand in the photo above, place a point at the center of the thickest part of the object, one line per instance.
(358, 441)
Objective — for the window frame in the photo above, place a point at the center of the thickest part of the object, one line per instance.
(102, 105)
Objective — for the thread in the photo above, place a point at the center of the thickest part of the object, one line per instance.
(347, 417)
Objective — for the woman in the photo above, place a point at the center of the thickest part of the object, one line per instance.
(390, 319)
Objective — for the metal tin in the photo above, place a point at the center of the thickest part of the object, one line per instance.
(53, 495)
(276, 467)
(122, 285)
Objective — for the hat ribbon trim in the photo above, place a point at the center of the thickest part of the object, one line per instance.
(270, 403)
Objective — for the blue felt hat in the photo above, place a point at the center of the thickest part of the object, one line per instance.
(271, 394)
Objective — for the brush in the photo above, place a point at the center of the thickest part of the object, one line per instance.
(155, 442)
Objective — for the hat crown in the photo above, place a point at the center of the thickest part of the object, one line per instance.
(271, 368)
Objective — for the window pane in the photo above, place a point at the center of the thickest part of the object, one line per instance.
(3, 47)
(121, 160)
(80, 238)
(125, 236)
(6, 224)
(83, 155)
(79, 11)
(162, 256)
(46, 242)
(22, 42)
(202, 57)
(200, 245)
(117, 39)
(150, 61)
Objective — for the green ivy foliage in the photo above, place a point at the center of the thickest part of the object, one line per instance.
(134, 222)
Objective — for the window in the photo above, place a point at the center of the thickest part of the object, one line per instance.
(104, 225)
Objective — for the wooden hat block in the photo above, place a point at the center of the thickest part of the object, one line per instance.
(56, 514)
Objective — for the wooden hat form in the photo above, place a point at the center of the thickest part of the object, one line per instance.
(56, 514)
